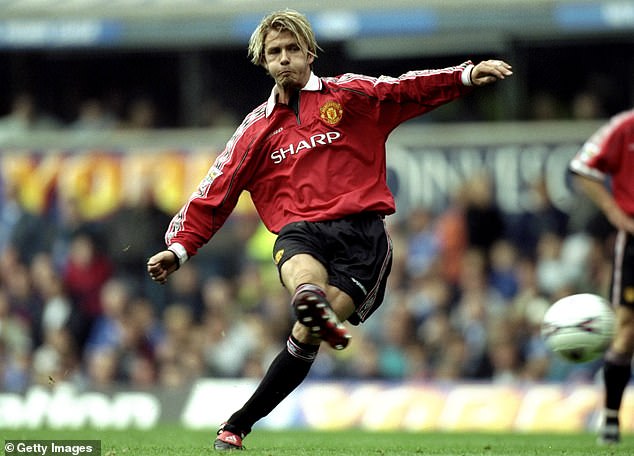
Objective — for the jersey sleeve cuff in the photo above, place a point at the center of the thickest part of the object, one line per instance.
(579, 167)
(466, 75)
(180, 253)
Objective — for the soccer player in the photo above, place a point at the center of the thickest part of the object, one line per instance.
(604, 171)
(312, 157)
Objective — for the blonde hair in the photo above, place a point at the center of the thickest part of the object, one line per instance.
(286, 20)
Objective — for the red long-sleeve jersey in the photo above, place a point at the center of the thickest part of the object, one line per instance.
(321, 157)
(610, 152)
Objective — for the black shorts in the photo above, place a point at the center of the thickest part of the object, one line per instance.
(622, 292)
(356, 251)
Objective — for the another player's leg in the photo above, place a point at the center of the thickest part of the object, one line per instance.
(617, 372)
(617, 366)
(616, 376)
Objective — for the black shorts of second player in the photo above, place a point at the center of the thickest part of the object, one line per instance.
(622, 290)
(356, 251)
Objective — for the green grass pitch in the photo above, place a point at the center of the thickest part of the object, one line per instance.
(176, 441)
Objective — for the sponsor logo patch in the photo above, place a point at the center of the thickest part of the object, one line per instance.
(331, 112)
(319, 139)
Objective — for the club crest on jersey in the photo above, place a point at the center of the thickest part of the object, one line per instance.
(331, 112)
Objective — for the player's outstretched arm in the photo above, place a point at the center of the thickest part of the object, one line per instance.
(489, 71)
(161, 265)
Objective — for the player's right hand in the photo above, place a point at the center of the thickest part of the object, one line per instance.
(161, 265)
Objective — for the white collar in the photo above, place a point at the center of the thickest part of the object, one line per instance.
(313, 84)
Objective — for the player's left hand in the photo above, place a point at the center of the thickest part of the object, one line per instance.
(489, 71)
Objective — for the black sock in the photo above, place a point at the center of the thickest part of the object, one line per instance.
(617, 371)
(286, 372)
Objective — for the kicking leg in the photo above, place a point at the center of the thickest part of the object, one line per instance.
(306, 278)
(318, 306)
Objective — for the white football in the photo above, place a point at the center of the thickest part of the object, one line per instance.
(579, 327)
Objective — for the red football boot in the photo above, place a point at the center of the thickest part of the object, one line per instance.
(313, 310)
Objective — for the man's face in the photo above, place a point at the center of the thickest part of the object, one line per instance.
(285, 61)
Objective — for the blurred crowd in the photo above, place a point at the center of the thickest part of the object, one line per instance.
(111, 112)
(465, 299)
